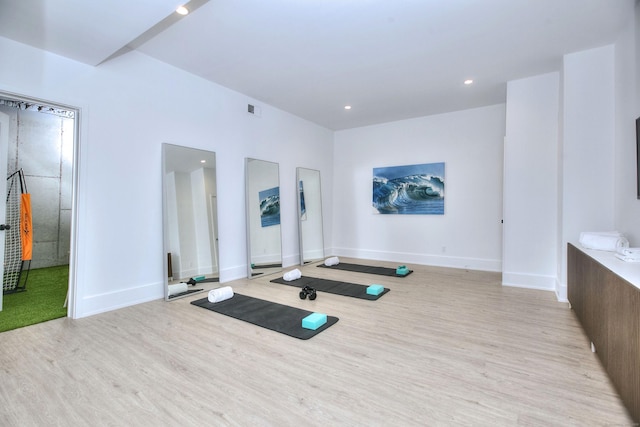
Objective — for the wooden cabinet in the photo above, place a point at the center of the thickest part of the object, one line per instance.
(608, 307)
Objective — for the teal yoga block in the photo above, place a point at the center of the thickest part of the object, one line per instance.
(375, 290)
(314, 321)
(402, 270)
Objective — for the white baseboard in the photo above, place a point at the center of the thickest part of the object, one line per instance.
(108, 301)
(520, 280)
(186, 273)
(422, 259)
(234, 273)
(313, 254)
(561, 292)
(291, 260)
(529, 281)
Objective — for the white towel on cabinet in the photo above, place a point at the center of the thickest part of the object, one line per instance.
(603, 240)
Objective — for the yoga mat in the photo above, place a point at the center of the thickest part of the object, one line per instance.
(382, 271)
(332, 287)
(270, 315)
(266, 266)
(181, 294)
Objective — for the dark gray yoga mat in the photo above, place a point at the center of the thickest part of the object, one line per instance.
(382, 271)
(270, 315)
(181, 294)
(332, 287)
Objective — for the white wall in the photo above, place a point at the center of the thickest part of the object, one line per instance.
(627, 105)
(469, 234)
(130, 105)
(201, 220)
(531, 182)
(173, 225)
(187, 235)
(588, 169)
(600, 104)
(589, 108)
(311, 224)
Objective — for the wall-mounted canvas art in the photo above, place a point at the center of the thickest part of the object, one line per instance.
(303, 207)
(269, 206)
(411, 189)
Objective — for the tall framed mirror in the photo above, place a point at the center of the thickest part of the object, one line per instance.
(264, 238)
(310, 232)
(190, 220)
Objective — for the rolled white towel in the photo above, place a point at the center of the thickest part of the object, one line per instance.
(630, 252)
(292, 275)
(331, 261)
(627, 258)
(220, 294)
(603, 241)
(178, 288)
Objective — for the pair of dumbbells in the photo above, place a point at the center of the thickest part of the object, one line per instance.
(308, 291)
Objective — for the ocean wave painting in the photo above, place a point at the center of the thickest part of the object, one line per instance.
(411, 189)
(269, 207)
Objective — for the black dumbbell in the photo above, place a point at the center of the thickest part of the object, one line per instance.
(308, 290)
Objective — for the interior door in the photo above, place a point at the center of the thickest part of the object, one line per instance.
(4, 146)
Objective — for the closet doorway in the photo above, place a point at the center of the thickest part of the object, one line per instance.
(38, 144)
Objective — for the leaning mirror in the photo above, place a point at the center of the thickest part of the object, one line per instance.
(264, 244)
(190, 220)
(309, 215)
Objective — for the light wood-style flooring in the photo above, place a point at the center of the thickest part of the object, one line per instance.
(444, 347)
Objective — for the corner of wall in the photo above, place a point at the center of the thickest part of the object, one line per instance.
(561, 291)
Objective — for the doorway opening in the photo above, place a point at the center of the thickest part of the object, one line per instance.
(40, 139)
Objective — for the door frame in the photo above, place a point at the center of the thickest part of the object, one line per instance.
(73, 239)
(4, 139)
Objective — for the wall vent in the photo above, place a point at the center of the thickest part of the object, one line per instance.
(254, 109)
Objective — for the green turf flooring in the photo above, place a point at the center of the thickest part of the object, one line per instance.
(43, 300)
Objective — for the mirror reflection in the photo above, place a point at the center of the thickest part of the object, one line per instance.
(264, 244)
(310, 215)
(190, 220)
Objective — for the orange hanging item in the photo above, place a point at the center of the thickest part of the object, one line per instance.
(26, 226)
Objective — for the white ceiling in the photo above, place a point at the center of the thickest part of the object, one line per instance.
(389, 59)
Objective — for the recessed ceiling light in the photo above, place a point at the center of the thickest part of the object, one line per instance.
(203, 161)
(347, 107)
(182, 11)
(468, 82)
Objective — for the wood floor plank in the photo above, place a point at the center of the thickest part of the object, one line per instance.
(444, 347)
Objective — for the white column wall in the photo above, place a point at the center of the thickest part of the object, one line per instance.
(588, 174)
(627, 55)
(531, 182)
